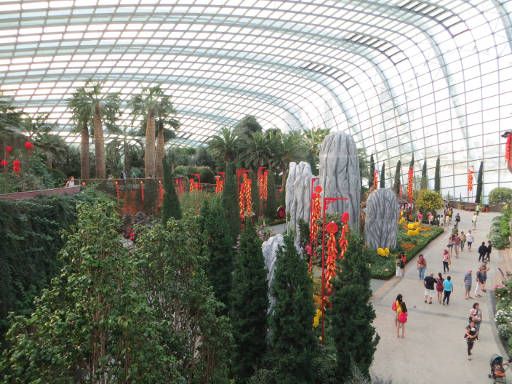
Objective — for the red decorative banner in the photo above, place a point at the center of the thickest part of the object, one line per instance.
(375, 179)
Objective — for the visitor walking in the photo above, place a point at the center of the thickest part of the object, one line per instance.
(446, 261)
(473, 220)
(450, 244)
(475, 316)
(422, 266)
(439, 287)
(477, 209)
(471, 337)
(400, 263)
(456, 244)
(430, 218)
(401, 315)
(478, 286)
(488, 252)
(482, 252)
(483, 280)
(462, 240)
(457, 220)
(448, 289)
(468, 281)
(429, 283)
(469, 239)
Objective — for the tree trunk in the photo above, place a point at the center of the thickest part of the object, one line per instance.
(99, 143)
(149, 153)
(84, 151)
(160, 152)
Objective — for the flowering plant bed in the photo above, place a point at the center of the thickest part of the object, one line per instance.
(503, 314)
(384, 267)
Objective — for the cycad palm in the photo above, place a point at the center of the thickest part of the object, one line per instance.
(152, 105)
(225, 145)
(88, 106)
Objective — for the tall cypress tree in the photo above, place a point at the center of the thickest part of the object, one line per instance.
(383, 176)
(271, 207)
(219, 249)
(352, 313)
(480, 183)
(230, 201)
(397, 183)
(171, 204)
(293, 342)
(424, 176)
(437, 177)
(249, 305)
(372, 171)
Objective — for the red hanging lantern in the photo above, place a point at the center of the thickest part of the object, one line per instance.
(8, 149)
(345, 218)
(470, 178)
(410, 182)
(16, 166)
(29, 146)
(508, 149)
(4, 163)
(332, 255)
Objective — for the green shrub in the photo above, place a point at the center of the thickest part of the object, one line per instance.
(500, 230)
(207, 175)
(500, 195)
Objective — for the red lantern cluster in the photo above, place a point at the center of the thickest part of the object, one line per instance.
(29, 146)
(410, 182)
(470, 178)
(245, 197)
(508, 150)
(16, 166)
(219, 184)
(313, 225)
(262, 183)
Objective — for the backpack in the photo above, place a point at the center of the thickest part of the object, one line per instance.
(393, 306)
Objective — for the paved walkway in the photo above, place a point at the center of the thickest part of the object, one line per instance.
(434, 348)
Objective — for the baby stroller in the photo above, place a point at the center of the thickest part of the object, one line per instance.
(498, 369)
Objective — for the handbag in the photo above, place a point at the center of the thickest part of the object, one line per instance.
(402, 317)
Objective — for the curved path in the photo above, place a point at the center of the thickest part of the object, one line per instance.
(434, 349)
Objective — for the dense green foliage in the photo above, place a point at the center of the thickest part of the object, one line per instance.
(424, 176)
(173, 267)
(504, 314)
(292, 340)
(429, 201)
(499, 232)
(249, 305)
(93, 323)
(218, 247)
(397, 184)
(383, 176)
(501, 195)
(230, 201)
(372, 171)
(352, 313)
(29, 242)
(437, 177)
(479, 183)
(171, 204)
(207, 175)
(271, 207)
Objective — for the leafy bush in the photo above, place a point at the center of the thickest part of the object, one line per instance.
(207, 175)
(429, 201)
(503, 314)
(500, 195)
(500, 230)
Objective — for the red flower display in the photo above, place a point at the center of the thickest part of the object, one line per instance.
(16, 166)
(29, 146)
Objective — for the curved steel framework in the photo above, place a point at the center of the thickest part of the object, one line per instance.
(433, 78)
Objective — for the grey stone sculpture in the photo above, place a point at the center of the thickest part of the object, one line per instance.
(298, 195)
(339, 175)
(269, 249)
(381, 223)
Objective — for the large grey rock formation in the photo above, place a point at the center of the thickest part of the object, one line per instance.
(381, 223)
(298, 195)
(269, 249)
(339, 175)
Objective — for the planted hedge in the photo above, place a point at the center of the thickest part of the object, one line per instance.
(30, 238)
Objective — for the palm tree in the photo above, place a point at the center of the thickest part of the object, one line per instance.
(313, 139)
(90, 106)
(164, 134)
(291, 147)
(256, 151)
(152, 105)
(225, 145)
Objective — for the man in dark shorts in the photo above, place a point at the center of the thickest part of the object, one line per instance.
(429, 283)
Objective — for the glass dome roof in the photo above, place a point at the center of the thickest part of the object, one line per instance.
(433, 78)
